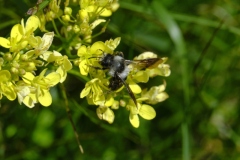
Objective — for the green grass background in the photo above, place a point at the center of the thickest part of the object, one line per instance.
(199, 121)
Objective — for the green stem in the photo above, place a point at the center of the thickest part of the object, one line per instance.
(55, 28)
(84, 79)
(70, 117)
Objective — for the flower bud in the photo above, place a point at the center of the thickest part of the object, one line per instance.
(68, 10)
(83, 15)
(66, 18)
(8, 56)
(76, 62)
(23, 57)
(76, 28)
(14, 70)
(122, 103)
(50, 16)
(15, 64)
(21, 71)
(30, 66)
(115, 105)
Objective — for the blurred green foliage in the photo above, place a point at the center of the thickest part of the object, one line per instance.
(198, 121)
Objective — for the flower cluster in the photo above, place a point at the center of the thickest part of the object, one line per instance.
(18, 66)
(77, 26)
(98, 92)
(26, 59)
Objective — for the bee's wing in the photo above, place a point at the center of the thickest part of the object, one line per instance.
(145, 63)
(128, 89)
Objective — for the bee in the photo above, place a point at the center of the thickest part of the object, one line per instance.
(118, 69)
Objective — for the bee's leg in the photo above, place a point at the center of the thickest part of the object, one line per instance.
(98, 68)
(131, 94)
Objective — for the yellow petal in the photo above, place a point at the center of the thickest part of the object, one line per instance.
(30, 100)
(53, 78)
(85, 92)
(67, 64)
(45, 98)
(16, 32)
(8, 91)
(106, 114)
(105, 12)
(141, 76)
(162, 70)
(109, 101)
(35, 42)
(62, 73)
(97, 47)
(22, 92)
(28, 77)
(135, 87)
(46, 41)
(134, 120)
(161, 97)
(5, 76)
(147, 112)
(97, 22)
(112, 44)
(84, 69)
(4, 42)
(48, 56)
(82, 51)
(24, 44)
(98, 98)
(32, 23)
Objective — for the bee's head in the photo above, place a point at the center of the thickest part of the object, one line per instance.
(107, 60)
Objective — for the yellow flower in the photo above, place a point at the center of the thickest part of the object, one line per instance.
(42, 85)
(161, 70)
(96, 9)
(105, 113)
(86, 55)
(155, 94)
(61, 61)
(112, 44)
(44, 43)
(93, 91)
(21, 34)
(145, 111)
(6, 86)
(26, 94)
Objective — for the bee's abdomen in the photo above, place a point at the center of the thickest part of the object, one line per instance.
(115, 83)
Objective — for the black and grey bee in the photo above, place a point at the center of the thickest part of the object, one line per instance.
(119, 70)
